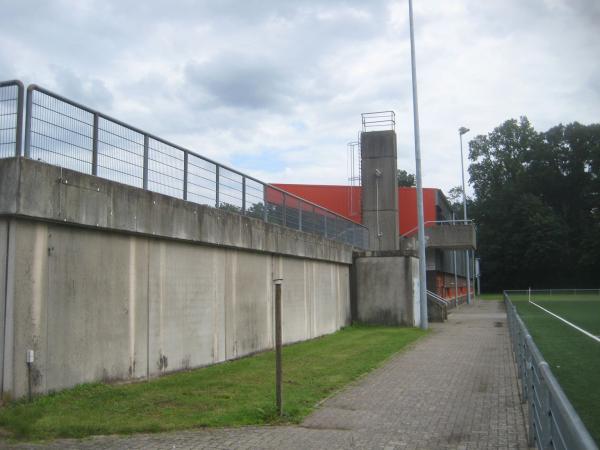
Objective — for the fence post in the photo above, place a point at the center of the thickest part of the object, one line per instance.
(217, 182)
(19, 132)
(185, 175)
(95, 145)
(28, 113)
(265, 209)
(545, 408)
(243, 195)
(146, 155)
(283, 212)
(278, 367)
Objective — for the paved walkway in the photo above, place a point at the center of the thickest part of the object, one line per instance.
(456, 389)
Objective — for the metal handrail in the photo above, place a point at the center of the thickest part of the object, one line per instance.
(553, 422)
(302, 204)
(38, 88)
(378, 119)
(453, 222)
(437, 297)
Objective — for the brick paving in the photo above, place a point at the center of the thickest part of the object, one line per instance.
(455, 389)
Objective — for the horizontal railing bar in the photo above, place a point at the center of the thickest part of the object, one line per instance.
(454, 222)
(75, 119)
(34, 87)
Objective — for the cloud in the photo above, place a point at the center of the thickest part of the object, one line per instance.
(236, 80)
(277, 88)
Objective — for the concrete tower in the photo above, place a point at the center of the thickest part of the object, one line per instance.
(380, 188)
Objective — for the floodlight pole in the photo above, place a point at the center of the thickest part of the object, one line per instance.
(420, 219)
(455, 268)
(461, 131)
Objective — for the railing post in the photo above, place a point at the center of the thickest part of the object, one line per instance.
(283, 212)
(185, 175)
(266, 205)
(545, 409)
(146, 155)
(325, 224)
(217, 182)
(28, 113)
(243, 195)
(19, 131)
(95, 145)
(300, 203)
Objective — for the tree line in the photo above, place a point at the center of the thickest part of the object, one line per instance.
(536, 205)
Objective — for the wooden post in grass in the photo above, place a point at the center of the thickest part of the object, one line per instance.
(278, 371)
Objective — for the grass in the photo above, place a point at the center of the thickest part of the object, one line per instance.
(235, 393)
(573, 357)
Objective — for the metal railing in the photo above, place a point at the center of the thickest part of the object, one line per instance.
(437, 222)
(11, 118)
(553, 422)
(378, 120)
(441, 303)
(65, 133)
(562, 292)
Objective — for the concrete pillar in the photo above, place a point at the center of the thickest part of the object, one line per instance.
(380, 188)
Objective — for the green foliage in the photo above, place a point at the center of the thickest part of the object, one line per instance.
(234, 393)
(405, 179)
(455, 198)
(536, 205)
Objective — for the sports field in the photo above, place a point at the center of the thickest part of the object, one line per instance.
(573, 356)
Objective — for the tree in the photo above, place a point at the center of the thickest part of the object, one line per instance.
(405, 179)
(536, 204)
(455, 198)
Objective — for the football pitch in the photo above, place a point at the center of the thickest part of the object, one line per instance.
(573, 355)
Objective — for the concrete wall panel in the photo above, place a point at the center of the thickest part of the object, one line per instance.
(96, 307)
(384, 289)
(3, 275)
(294, 301)
(326, 311)
(252, 303)
(28, 298)
(182, 306)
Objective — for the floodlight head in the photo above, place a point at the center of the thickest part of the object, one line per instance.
(463, 130)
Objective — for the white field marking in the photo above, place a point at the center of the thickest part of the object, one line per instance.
(597, 339)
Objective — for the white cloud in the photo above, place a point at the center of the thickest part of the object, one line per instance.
(277, 88)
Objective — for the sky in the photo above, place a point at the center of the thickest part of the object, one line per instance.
(276, 88)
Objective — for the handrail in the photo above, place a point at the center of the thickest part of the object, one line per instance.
(553, 422)
(437, 297)
(453, 222)
(290, 209)
(38, 88)
(378, 119)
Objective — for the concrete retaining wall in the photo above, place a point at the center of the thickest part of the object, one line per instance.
(108, 282)
(105, 306)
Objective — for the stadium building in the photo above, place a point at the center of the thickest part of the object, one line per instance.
(346, 201)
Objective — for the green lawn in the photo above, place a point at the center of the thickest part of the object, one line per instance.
(573, 357)
(235, 393)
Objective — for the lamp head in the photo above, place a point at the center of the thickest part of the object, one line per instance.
(463, 130)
